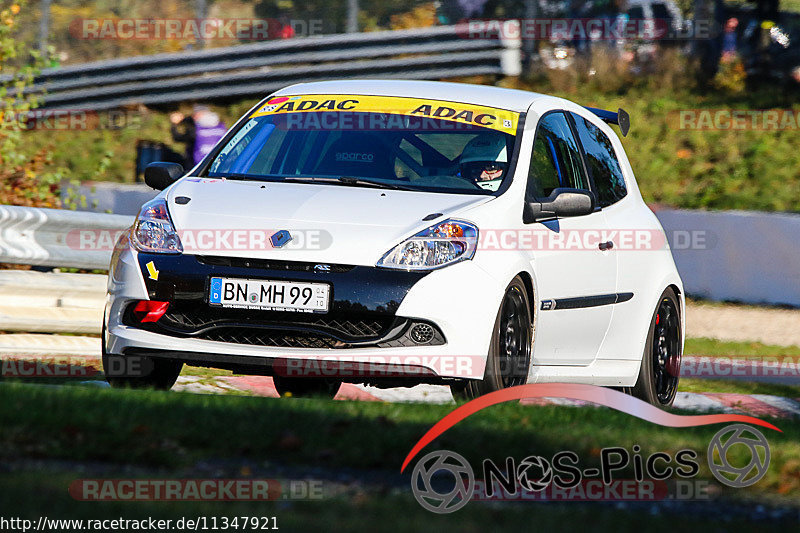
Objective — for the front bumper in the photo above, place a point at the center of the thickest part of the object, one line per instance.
(371, 313)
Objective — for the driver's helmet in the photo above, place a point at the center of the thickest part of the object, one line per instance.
(485, 160)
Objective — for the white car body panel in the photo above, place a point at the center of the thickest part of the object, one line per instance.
(356, 228)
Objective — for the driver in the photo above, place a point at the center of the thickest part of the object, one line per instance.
(484, 161)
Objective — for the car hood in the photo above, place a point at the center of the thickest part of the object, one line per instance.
(328, 223)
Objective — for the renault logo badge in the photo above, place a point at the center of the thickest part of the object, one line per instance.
(280, 238)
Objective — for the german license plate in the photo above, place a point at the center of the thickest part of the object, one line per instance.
(271, 295)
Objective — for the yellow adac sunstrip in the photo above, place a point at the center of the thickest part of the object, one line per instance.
(476, 115)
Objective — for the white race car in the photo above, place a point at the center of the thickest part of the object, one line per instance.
(401, 232)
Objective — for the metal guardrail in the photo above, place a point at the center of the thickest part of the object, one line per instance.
(52, 237)
(256, 69)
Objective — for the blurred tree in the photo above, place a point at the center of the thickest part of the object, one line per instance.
(22, 181)
(373, 14)
(422, 16)
(72, 46)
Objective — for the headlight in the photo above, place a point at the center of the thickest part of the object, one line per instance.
(445, 243)
(154, 232)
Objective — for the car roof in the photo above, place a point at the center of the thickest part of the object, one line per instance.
(465, 93)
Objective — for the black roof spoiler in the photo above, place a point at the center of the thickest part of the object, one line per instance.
(621, 118)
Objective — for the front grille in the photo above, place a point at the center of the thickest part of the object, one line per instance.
(279, 339)
(345, 326)
(271, 264)
(290, 330)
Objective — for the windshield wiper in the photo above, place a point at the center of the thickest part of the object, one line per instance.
(349, 180)
(246, 177)
(343, 180)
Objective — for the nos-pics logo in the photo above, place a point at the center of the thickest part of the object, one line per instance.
(443, 481)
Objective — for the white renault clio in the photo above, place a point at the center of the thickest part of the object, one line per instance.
(401, 232)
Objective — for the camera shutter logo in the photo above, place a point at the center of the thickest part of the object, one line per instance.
(454, 493)
(534, 473)
(724, 440)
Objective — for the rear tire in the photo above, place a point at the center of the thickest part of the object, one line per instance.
(138, 371)
(509, 357)
(661, 362)
(306, 387)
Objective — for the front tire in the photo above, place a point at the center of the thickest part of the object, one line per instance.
(150, 372)
(509, 355)
(138, 371)
(661, 363)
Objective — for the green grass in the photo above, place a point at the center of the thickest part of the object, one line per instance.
(31, 495)
(175, 430)
(204, 372)
(88, 432)
(790, 5)
(738, 386)
(713, 347)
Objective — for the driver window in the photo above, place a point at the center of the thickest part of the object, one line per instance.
(555, 161)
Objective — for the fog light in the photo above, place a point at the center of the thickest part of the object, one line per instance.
(149, 310)
(422, 333)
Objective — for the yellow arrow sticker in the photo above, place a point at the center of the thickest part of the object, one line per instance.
(151, 269)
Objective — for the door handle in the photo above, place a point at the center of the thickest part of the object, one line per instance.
(606, 245)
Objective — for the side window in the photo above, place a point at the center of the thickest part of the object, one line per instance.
(601, 162)
(661, 13)
(636, 13)
(555, 161)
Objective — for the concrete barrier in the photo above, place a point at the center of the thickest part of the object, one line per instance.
(40, 302)
(739, 256)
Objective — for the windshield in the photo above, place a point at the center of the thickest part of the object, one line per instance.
(393, 142)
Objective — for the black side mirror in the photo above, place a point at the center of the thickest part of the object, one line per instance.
(562, 202)
(160, 175)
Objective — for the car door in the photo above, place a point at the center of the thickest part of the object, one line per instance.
(631, 226)
(575, 278)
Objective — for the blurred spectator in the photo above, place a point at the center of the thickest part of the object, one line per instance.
(199, 132)
(729, 49)
(285, 29)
